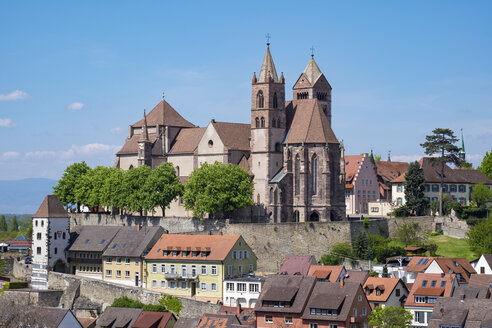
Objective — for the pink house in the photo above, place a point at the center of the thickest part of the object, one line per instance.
(361, 183)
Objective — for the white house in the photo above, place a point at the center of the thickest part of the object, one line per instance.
(385, 292)
(484, 264)
(50, 240)
(243, 291)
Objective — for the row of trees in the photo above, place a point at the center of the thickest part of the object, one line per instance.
(212, 188)
(14, 225)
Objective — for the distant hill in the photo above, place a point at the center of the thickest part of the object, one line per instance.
(24, 196)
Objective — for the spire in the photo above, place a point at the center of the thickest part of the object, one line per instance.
(268, 72)
(462, 153)
(145, 134)
(312, 71)
(389, 155)
(254, 78)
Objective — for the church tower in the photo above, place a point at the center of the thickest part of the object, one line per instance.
(268, 123)
(144, 146)
(312, 84)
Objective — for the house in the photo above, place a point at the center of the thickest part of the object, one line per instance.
(149, 319)
(197, 265)
(387, 171)
(86, 253)
(361, 183)
(356, 276)
(123, 259)
(467, 292)
(19, 244)
(462, 313)
(385, 292)
(457, 182)
(484, 264)
(246, 316)
(424, 293)
(417, 264)
(51, 317)
(114, 317)
(283, 300)
(242, 291)
(215, 320)
(87, 322)
(297, 264)
(458, 266)
(331, 273)
(336, 305)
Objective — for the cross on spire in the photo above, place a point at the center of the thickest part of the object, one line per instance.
(312, 51)
(268, 39)
(163, 95)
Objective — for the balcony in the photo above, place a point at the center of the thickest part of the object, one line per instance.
(177, 276)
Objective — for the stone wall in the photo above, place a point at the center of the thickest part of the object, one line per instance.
(49, 298)
(104, 293)
(452, 227)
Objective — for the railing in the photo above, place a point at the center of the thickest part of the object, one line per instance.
(171, 276)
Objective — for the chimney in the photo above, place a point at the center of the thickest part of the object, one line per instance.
(342, 282)
(139, 226)
(238, 309)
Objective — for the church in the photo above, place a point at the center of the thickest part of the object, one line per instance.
(289, 148)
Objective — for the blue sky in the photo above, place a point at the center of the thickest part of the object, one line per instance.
(75, 74)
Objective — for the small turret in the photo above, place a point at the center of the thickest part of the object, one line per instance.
(254, 78)
(282, 79)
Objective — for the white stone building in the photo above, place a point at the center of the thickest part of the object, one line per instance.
(243, 291)
(50, 240)
(484, 264)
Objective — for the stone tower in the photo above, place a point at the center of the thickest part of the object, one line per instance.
(312, 84)
(144, 146)
(268, 124)
(50, 240)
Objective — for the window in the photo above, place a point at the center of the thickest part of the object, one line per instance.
(213, 286)
(260, 102)
(482, 270)
(433, 283)
(333, 325)
(419, 316)
(118, 260)
(36, 222)
(109, 273)
(419, 299)
(462, 188)
(268, 319)
(213, 270)
(240, 269)
(424, 283)
(241, 287)
(54, 235)
(109, 260)
(175, 253)
(184, 270)
(39, 235)
(163, 268)
(229, 270)
(364, 312)
(313, 325)
(274, 123)
(127, 260)
(203, 269)
(288, 320)
(154, 268)
(127, 274)
(230, 287)
(399, 201)
(314, 173)
(355, 312)
(163, 284)
(203, 286)
(184, 284)
(154, 283)
(251, 268)
(257, 122)
(262, 122)
(193, 270)
(360, 298)
(275, 101)
(118, 273)
(435, 187)
(56, 250)
(173, 269)
(297, 168)
(253, 288)
(452, 188)
(397, 292)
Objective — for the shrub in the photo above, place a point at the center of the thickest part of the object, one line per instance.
(373, 273)
(401, 211)
(437, 233)
(365, 223)
(381, 253)
(469, 212)
(15, 284)
(432, 248)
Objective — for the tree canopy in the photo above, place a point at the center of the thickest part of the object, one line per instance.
(163, 186)
(14, 225)
(390, 317)
(481, 194)
(480, 237)
(216, 188)
(486, 165)
(362, 247)
(3, 223)
(136, 196)
(65, 189)
(338, 252)
(414, 189)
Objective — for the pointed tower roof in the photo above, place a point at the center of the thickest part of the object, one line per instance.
(51, 207)
(312, 71)
(268, 70)
(462, 148)
(170, 117)
(145, 133)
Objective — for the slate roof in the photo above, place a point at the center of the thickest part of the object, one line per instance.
(51, 207)
(187, 323)
(219, 246)
(418, 287)
(171, 117)
(488, 259)
(331, 296)
(118, 317)
(215, 320)
(330, 272)
(297, 264)
(312, 71)
(148, 319)
(94, 238)
(131, 242)
(387, 285)
(50, 316)
(309, 124)
(467, 313)
(235, 136)
(187, 140)
(465, 292)
(275, 287)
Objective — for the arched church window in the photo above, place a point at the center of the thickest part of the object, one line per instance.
(271, 196)
(260, 102)
(277, 147)
(177, 171)
(314, 174)
(297, 170)
(274, 123)
(257, 121)
(262, 122)
(275, 102)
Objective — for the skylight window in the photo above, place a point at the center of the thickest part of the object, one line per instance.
(158, 250)
(433, 283)
(86, 241)
(114, 246)
(424, 283)
(102, 241)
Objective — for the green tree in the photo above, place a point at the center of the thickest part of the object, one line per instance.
(218, 188)
(89, 190)
(390, 317)
(481, 194)
(480, 237)
(362, 248)
(486, 165)
(14, 225)
(171, 303)
(414, 189)
(408, 234)
(113, 191)
(163, 186)
(442, 143)
(135, 197)
(65, 189)
(3, 223)
(339, 251)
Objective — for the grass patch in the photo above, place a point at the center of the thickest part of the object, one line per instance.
(452, 247)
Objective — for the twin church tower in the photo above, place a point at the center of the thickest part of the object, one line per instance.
(289, 148)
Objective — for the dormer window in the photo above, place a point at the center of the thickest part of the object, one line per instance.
(194, 253)
(165, 253)
(175, 253)
(186, 253)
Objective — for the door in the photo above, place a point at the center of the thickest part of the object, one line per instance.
(136, 279)
(193, 288)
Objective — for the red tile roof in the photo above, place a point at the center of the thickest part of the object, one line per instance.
(388, 170)
(456, 265)
(386, 284)
(235, 136)
(419, 263)
(352, 165)
(131, 144)
(419, 289)
(148, 319)
(330, 272)
(171, 117)
(187, 140)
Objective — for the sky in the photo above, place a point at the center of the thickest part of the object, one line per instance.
(75, 74)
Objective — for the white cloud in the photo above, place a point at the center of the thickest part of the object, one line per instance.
(406, 158)
(10, 154)
(14, 95)
(89, 150)
(75, 106)
(115, 130)
(6, 123)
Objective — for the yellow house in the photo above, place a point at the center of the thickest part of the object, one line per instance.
(123, 259)
(196, 265)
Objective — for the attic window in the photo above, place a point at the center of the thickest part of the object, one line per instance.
(205, 254)
(165, 253)
(186, 253)
(210, 143)
(194, 253)
(175, 253)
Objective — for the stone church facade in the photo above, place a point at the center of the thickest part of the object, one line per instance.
(289, 147)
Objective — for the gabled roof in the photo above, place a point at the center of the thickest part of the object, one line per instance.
(464, 292)
(488, 259)
(50, 316)
(480, 280)
(187, 323)
(148, 319)
(310, 124)
(94, 238)
(132, 242)
(234, 136)
(359, 277)
(118, 317)
(170, 117)
(467, 313)
(267, 70)
(330, 272)
(389, 170)
(419, 263)
(422, 288)
(386, 285)
(352, 166)
(218, 246)
(51, 207)
(187, 141)
(297, 264)
(215, 320)
(455, 265)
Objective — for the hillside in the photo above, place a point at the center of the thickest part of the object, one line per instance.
(24, 196)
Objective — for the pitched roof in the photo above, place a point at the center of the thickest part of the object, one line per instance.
(352, 166)
(480, 280)
(148, 319)
(455, 265)
(356, 276)
(389, 170)
(278, 284)
(215, 320)
(310, 124)
(132, 242)
(331, 296)
(118, 317)
(94, 238)
(187, 323)
(387, 285)
(464, 292)
(50, 316)
(467, 313)
(235, 136)
(330, 272)
(297, 264)
(219, 246)
(424, 288)
(267, 70)
(51, 207)
(87, 322)
(131, 144)
(187, 140)
(246, 316)
(488, 259)
(171, 117)
(312, 71)
(419, 263)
